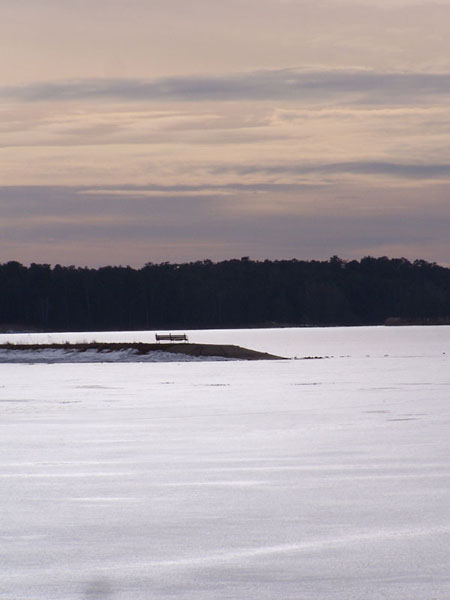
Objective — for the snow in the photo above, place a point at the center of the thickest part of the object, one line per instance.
(315, 479)
(60, 355)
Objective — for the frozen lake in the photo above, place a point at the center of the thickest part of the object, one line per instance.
(285, 480)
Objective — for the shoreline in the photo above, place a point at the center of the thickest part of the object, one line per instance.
(227, 351)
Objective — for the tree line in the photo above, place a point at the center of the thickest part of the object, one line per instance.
(230, 293)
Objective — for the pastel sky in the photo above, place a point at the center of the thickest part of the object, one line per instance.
(175, 130)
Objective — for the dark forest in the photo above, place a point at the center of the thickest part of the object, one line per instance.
(231, 293)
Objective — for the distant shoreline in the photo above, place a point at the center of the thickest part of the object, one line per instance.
(389, 322)
(229, 294)
(402, 322)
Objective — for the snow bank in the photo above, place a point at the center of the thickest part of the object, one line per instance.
(50, 355)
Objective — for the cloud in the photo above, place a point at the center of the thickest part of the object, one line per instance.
(350, 86)
(72, 225)
(391, 169)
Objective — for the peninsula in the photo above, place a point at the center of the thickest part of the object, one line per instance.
(227, 351)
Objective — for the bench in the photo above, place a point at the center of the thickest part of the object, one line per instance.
(171, 337)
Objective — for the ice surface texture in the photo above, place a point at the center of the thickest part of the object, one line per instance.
(297, 480)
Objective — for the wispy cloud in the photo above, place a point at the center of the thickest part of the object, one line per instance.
(282, 84)
(391, 169)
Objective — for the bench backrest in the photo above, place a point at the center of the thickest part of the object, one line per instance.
(171, 337)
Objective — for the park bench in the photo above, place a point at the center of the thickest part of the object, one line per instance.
(171, 337)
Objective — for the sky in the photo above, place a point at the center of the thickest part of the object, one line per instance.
(148, 131)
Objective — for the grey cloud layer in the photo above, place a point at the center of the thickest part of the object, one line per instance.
(392, 169)
(177, 228)
(284, 84)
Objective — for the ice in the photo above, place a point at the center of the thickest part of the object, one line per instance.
(290, 342)
(304, 479)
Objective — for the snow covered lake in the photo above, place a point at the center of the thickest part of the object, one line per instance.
(212, 480)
